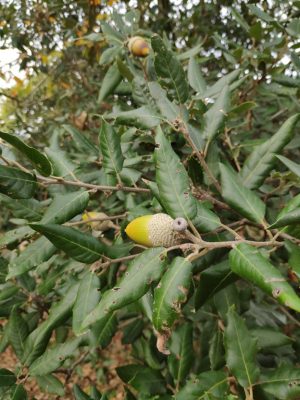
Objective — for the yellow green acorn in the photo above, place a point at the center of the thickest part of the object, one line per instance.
(156, 230)
(90, 216)
(138, 46)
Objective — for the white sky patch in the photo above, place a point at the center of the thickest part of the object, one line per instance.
(9, 66)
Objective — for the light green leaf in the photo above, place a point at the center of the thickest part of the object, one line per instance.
(169, 69)
(215, 89)
(207, 385)
(110, 81)
(87, 298)
(239, 197)
(241, 349)
(205, 219)
(80, 246)
(262, 159)
(39, 159)
(111, 149)
(290, 218)
(195, 77)
(65, 206)
(54, 357)
(215, 116)
(173, 181)
(143, 118)
(15, 235)
(291, 165)
(247, 262)
(168, 109)
(84, 144)
(34, 254)
(16, 183)
(29, 209)
(171, 292)
(51, 384)
(62, 165)
(141, 272)
(240, 19)
(260, 13)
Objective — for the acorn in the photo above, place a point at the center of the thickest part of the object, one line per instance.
(156, 230)
(97, 225)
(138, 46)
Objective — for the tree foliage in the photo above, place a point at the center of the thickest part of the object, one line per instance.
(206, 128)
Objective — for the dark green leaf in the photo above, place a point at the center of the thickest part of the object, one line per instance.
(247, 262)
(216, 350)
(143, 118)
(54, 357)
(212, 280)
(283, 383)
(268, 338)
(29, 209)
(7, 378)
(171, 292)
(80, 246)
(290, 218)
(17, 332)
(205, 219)
(262, 159)
(173, 181)
(16, 183)
(39, 159)
(80, 394)
(241, 350)
(239, 197)
(18, 393)
(84, 144)
(208, 385)
(141, 272)
(143, 379)
(169, 69)
(292, 166)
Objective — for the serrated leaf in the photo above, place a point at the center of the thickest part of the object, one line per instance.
(262, 159)
(239, 197)
(39, 159)
(35, 253)
(171, 292)
(247, 262)
(111, 149)
(283, 383)
(169, 69)
(76, 244)
(141, 273)
(143, 117)
(87, 298)
(38, 339)
(215, 116)
(212, 384)
(181, 358)
(144, 379)
(17, 332)
(7, 378)
(54, 357)
(173, 181)
(205, 219)
(84, 144)
(110, 81)
(168, 109)
(196, 80)
(65, 206)
(16, 183)
(292, 166)
(241, 349)
(212, 280)
(50, 384)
